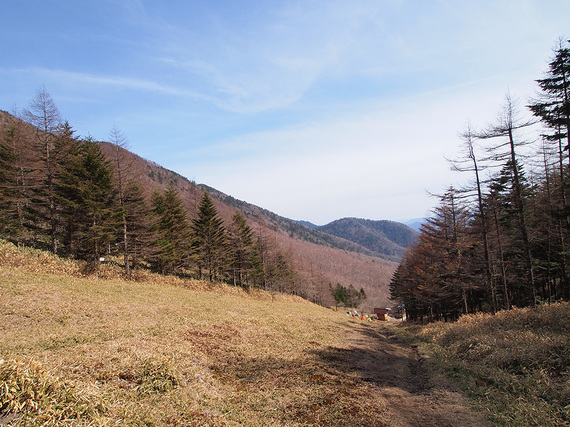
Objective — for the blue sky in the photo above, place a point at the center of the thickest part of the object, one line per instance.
(315, 110)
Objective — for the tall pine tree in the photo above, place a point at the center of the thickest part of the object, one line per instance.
(172, 232)
(241, 251)
(209, 243)
(136, 214)
(86, 193)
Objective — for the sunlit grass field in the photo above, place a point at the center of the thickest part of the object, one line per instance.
(104, 351)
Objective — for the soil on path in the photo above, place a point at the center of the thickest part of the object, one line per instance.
(415, 393)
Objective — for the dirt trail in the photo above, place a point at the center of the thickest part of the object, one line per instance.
(415, 394)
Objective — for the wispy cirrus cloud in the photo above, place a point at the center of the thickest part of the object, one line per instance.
(272, 64)
(130, 83)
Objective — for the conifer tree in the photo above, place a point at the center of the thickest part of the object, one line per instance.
(507, 150)
(241, 250)
(68, 196)
(552, 106)
(280, 274)
(471, 163)
(11, 209)
(435, 279)
(340, 295)
(209, 239)
(86, 193)
(523, 222)
(172, 232)
(122, 171)
(273, 269)
(45, 117)
(136, 213)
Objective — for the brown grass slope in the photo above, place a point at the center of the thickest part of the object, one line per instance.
(515, 363)
(159, 351)
(82, 351)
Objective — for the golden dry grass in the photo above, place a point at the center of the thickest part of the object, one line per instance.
(164, 351)
(155, 351)
(516, 363)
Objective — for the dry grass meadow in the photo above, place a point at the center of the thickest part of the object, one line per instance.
(102, 351)
(156, 351)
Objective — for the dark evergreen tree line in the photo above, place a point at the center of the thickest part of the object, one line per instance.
(348, 297)
(503, 241)
(59, 192)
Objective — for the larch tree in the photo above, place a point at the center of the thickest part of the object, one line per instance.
(43, 114)
(274, 270)
(122, 168)
(470, 162)
(435, 279)
(549, 232)
(507, 152)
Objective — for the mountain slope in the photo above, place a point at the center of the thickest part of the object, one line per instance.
(296, 229)
(386, 239)
(416, 223)
(320, 259)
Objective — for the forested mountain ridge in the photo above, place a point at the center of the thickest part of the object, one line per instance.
(304, 261)
(387, 239)
(383, 239)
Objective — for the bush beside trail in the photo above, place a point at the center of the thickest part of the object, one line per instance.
(515, 363)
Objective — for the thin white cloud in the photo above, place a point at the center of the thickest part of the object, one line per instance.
(274, 64)
(379, 162)
(69, 76)
(135, 84)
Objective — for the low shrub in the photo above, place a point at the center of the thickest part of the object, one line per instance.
(32, 395)
(516, 363)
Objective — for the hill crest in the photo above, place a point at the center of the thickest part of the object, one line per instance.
(386, 239)
(320, 259)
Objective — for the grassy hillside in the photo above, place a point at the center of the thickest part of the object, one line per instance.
(165, 351)
(78, 350)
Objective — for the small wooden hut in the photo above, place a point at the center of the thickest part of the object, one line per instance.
(382, 313)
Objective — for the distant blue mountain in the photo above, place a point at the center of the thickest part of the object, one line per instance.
(386, 239)
(415, 223)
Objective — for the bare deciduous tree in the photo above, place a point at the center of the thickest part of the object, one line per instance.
(45, 117)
